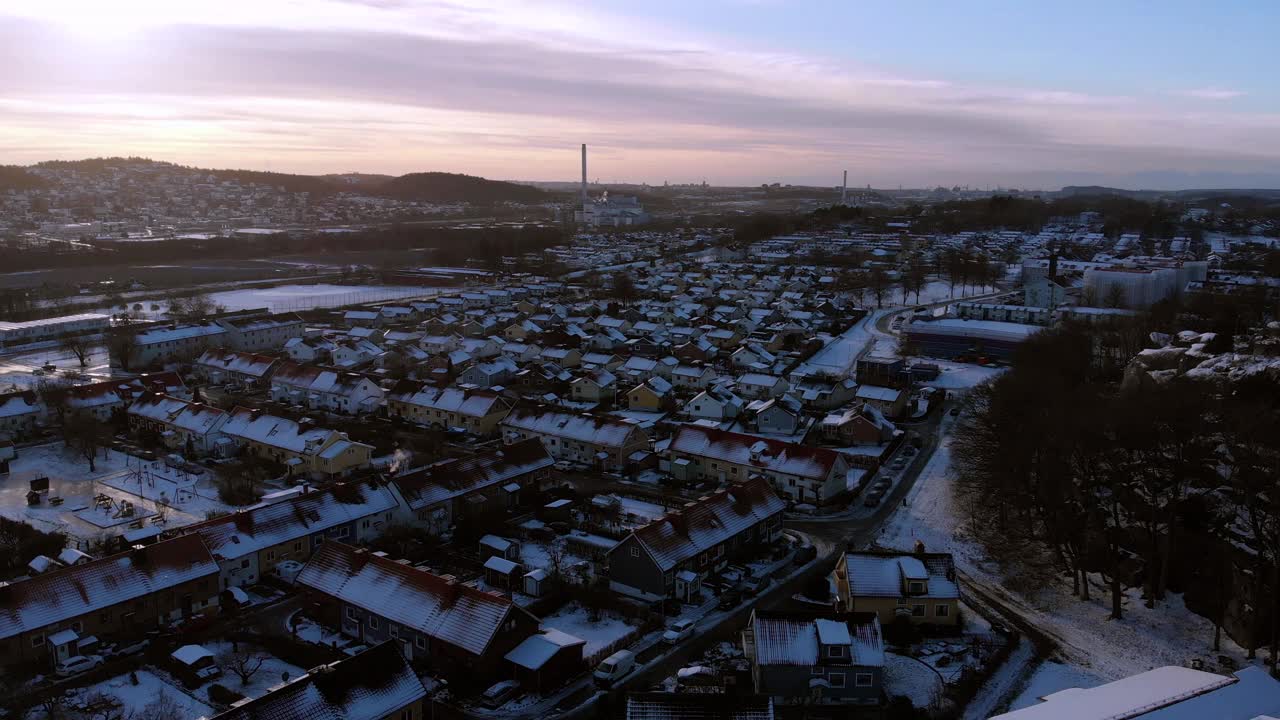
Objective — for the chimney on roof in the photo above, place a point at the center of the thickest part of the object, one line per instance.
(919, 547)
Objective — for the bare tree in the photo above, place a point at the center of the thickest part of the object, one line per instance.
(164, 707)
(243, 662)
(77, 345)
(85, 436)
(122, 344)
(878, 281)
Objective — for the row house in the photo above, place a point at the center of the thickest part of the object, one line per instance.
(158, 345)
(320, 389)
(480, 484)
(259, 333)
(309, 349)
(801, 473)
(377, 684)
(692, 377)
(181, 424)
(489, 374)
(249, 543)
(758, 386)
(594, 386)
(102, 400)
(19, 415)
(479, 412)
(122, 596)
(601, 442)
(304, 450)
(435, 620)
(218, 365)
(673, 555)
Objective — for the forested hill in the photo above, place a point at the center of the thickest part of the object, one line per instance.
(451, 187)
(435, 187)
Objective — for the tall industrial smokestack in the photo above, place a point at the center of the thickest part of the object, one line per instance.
(844, 186)
(584, 173)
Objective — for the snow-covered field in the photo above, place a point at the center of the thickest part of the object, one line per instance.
(1089, 642)
(1049, 678)
(283, 298)
(958, 376)
(575, 620)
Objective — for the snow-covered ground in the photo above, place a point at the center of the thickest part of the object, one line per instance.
(135, 699)
(272, 672)
(1049, 678)
(70, 479)
(840, 355)
(958, 376)
(909, 678)
(16, 368)
(575, 620)
(283, 298)
(1089, 642)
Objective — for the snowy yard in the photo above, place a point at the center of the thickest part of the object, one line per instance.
(840, 355)
(575, 620)
(305, 297)
(1089, 643)
(134, 699)
(958, 376)
(906, 677)
(272, 672)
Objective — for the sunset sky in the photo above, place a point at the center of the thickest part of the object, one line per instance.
(1028, 94)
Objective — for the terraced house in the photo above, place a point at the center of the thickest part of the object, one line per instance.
(479, 412)
(304, 450)
(316, 388)
(43, 620)
(801, 473)
(596, 441)
(671, 556)
(180, 424)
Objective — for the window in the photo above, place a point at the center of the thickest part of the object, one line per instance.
(373, 621)
(351, 613)
(915, 587)
(835, 651)
(77, 626)
(244, 563)
(406, 714)
(394, 630)
(635, 551)
(37, 640)
(271, 555)
(941, 610)
(863, 680)
(420, 641)
(902, 602)
(297, 547)
(836, 680)
(104, 617)
(917, 611)
(817, 671)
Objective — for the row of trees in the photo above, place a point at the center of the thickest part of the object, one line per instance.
(1141, 484)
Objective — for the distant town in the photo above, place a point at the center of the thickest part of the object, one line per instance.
(325, 447)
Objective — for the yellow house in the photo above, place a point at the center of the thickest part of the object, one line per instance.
(653, 395)
(479, 412)
(918, 587)
(304, 449)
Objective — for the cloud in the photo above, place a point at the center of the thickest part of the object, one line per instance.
(1210, 93)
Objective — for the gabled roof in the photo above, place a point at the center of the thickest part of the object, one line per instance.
(63, 594)
(882, 574)
(797, 638)
(452, 478)
(263, 526)
(244, 363)
(315, 379)
(472, 403)
(681, 535)
(278, 432)
(590, 429)
(438, 607)
(192, 417)
(764, 453)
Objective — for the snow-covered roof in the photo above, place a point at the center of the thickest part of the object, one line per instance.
(278, 432)
(500, 565)
(1165, 693)
(536, 650)
(875, 392)
(20, 403)
(375, 684)
(765, 453)
(884, 574)
(459, 476)
(63, 594)
(797, 640)
(262, 526)
(190, 654)
(438, 607)
(241, 363)
(196, 418)
(590, 429)
(472, 403)
(681, 535)
(315, 379)
(179, 333)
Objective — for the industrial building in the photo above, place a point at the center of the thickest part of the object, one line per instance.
(13, 333)
(956, 337)
(607, 211)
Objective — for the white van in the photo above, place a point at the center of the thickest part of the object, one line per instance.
(615, 667)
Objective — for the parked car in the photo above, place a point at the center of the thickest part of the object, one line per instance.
(679, 630)
(730, 599)
(77, 664)
(872, 499)
(498, 695)
(614, 668)
(563, 465)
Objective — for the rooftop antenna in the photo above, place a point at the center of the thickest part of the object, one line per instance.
(844, 187)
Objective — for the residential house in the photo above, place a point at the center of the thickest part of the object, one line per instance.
(801, 473)
(351, 352)
(257, 333)
(157, 345)
(861, 424)
(758, 386)
(102, 400)
(476, 485)
(367, 318)
(218, 365)
(181, 425)
(715, 404)
(488, 374)
(316, 388)
(119, 597)
(597, 441)
(309, 349)
(376, 684)
(920, 587)
(671, 556)
(249, 543)
(594, 386)
(889, 401)
(564, 357)
(693, 377)
(305, 450)
(816, 659)
(780, 415)
(652, 395)
(606, 361)
(456, 629)
(19, 412)
(823, 394)
(479, 412)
